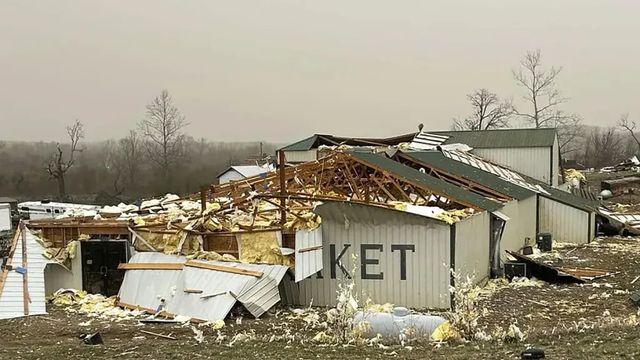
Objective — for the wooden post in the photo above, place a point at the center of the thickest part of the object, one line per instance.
(283, 188)
(25, 276)
(203, 199)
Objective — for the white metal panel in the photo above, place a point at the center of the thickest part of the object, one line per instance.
(5, 217)
(555, 169)
(565, 223)
(534, 162)
(426, 267)
(11, 298)
(308, 262)
(472, 246)
(145, 288)
(521, 225)
(300, 156)
(58, 277)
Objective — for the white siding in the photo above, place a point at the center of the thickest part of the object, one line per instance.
(565, 223)
(300, 156)
(556, 162)
(472, 246)
(11, 298)
(534, 161)
(521, 225)
(230, 175)
(427, 268)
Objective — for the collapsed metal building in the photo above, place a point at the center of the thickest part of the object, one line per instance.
(397, 219)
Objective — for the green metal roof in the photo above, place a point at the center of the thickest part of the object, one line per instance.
(468, 172)
(441, 187)
(501, 138)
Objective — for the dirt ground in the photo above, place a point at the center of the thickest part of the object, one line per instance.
(595, 320)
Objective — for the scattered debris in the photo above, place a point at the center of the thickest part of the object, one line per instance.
(169, 337)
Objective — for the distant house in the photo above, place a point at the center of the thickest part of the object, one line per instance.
(532, 152)
(240, 172)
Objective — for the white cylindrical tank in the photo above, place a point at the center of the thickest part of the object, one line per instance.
(400, 321)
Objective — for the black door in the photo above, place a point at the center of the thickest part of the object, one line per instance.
(100, 259)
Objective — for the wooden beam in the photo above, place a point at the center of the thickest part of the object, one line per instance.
(5, 271)
(319, 247)
(150, 266)
(229, 269)
(25, 276)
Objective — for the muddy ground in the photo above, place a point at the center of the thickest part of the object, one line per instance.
(573, 321)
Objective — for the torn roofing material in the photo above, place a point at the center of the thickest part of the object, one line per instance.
(550, 273)
(317, 140)
(438, 186)
(437, 160)
(200, 292)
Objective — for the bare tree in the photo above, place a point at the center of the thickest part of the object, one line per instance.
(603, 147)
(131, 156)
(162, 128)
(629, 126)
(59, 164)
(545, 100)
(489, 112)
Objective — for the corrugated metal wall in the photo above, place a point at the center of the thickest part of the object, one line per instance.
(522, 224)
(556, 163)
(380, 234)
(534, 162)
(472, 246)
(300, 156)
(565, 223)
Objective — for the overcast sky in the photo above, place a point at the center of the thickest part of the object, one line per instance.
(280, 70)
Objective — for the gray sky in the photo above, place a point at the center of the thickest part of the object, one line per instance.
(280, 70)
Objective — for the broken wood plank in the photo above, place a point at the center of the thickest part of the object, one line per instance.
(150, 266)
(207, 296)
(319, 247)
(159, 335)
(193, 291)
(229, 269)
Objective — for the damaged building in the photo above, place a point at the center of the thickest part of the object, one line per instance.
(398, 215)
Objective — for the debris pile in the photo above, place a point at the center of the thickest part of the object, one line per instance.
(92, 305)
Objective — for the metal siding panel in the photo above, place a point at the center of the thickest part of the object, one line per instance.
(472, 246)
(520, 226)
(309, 262)
(300, 156)
(556, 162)
(427, 269)
(565, 223)
(533, 161)
(11, 298)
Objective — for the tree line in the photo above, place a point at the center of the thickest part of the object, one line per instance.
(155, 157)
(542, 107)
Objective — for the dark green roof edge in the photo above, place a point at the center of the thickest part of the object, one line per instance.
(502, 138)
(479, 176)
(564, 197)
(452, 192)
(302, 145)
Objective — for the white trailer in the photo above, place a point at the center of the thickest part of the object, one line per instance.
(5, 217)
